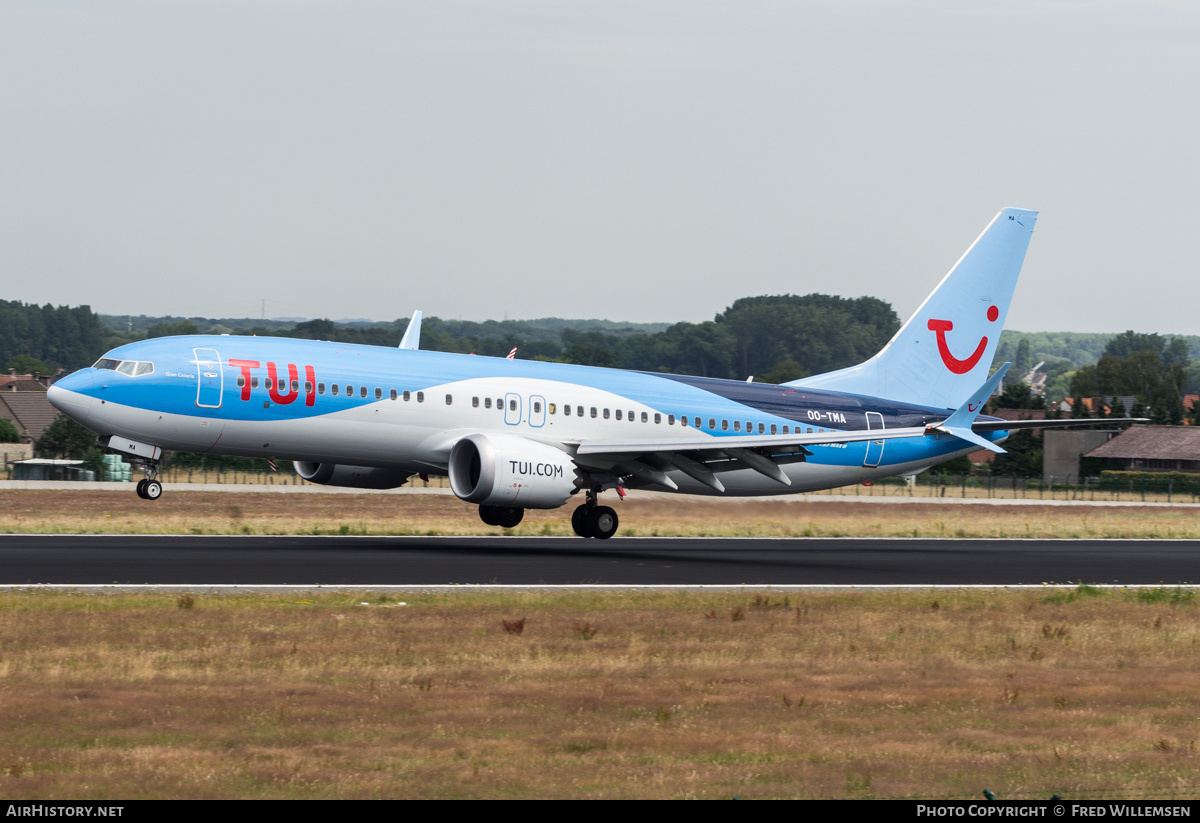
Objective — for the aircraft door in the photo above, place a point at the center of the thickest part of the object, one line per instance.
(210, 379)
(537, 411)
(874, 447)
(512, 409)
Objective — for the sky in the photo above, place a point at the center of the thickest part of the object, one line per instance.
(641, 161)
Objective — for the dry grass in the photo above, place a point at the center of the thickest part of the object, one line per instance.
(198, 512)
(600, 695)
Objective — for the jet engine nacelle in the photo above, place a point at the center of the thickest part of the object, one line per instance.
(501, 470)
(359, 477)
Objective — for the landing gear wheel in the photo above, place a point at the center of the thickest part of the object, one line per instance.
(152, 490)
(602, 522)
(488, 515)
(509, 518)
(579, 521)
(141, 488)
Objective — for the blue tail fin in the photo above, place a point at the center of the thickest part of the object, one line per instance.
(944, 351)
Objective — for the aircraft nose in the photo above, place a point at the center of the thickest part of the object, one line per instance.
(72, 395)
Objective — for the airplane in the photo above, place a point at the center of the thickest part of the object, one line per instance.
(513, 435)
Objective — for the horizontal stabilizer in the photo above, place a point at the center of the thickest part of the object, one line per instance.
(959, 423)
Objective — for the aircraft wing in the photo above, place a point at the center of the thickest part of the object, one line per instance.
(702, 459)
(1002, 425)
(766, 442)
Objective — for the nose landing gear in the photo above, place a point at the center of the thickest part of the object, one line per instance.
(150, 488)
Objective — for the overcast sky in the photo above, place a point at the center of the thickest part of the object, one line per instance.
(632, 161)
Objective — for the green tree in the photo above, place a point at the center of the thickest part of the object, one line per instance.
(819, 331)
(8, 432)
(27, 364)
(1023, 361)
(65, 438)
(1023, 456)
(785, 371)
(167, 329)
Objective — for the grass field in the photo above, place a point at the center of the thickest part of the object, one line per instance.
(198, 512)
(1087, 693)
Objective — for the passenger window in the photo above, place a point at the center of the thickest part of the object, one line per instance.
(606, 414)
(320, 388)
(712, 423)
(657, 418)
(774, 429)
(487, 402)
(267, 382)
(393, 394)
(127, 367)
(407, 395)
(420, 397)
(307, 387)
(378, 393)
(645, 417)
(567, 410)
(593, 411)
(537, 407)
(697, 422)
(241, 381)
(761, 428)
(737, 425)
(618, 414)
(254, 382)
(810, 429)
(295, 385)
(512, 405)
(670, 420)
(334, 389)
(724, 425)
(144, 368)
(362, 391)
(449, 399)
(632, 416)
(551, 408)
(579, 411)
(683, 421)
(785, 429)
(474, 402)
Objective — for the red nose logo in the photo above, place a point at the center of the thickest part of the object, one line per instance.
(953, 363)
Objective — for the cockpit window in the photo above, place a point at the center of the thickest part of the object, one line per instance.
(132, 368)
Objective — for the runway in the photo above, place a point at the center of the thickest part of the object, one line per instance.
(517, 561)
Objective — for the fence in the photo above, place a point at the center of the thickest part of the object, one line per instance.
(1165, 489)
(237, 477)
(1143, 488)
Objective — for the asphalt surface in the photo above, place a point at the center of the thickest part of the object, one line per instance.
(367, 561)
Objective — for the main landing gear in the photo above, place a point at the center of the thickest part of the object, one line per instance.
(504, 516)
(150, 488)
(592, 520)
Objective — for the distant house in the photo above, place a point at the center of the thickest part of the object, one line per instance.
(1154, 448)
(1100, 405)
(23, 403)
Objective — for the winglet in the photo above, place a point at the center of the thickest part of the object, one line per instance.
(412, 335)
(959, 423)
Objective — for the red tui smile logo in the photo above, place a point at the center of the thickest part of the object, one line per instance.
(953, 363)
